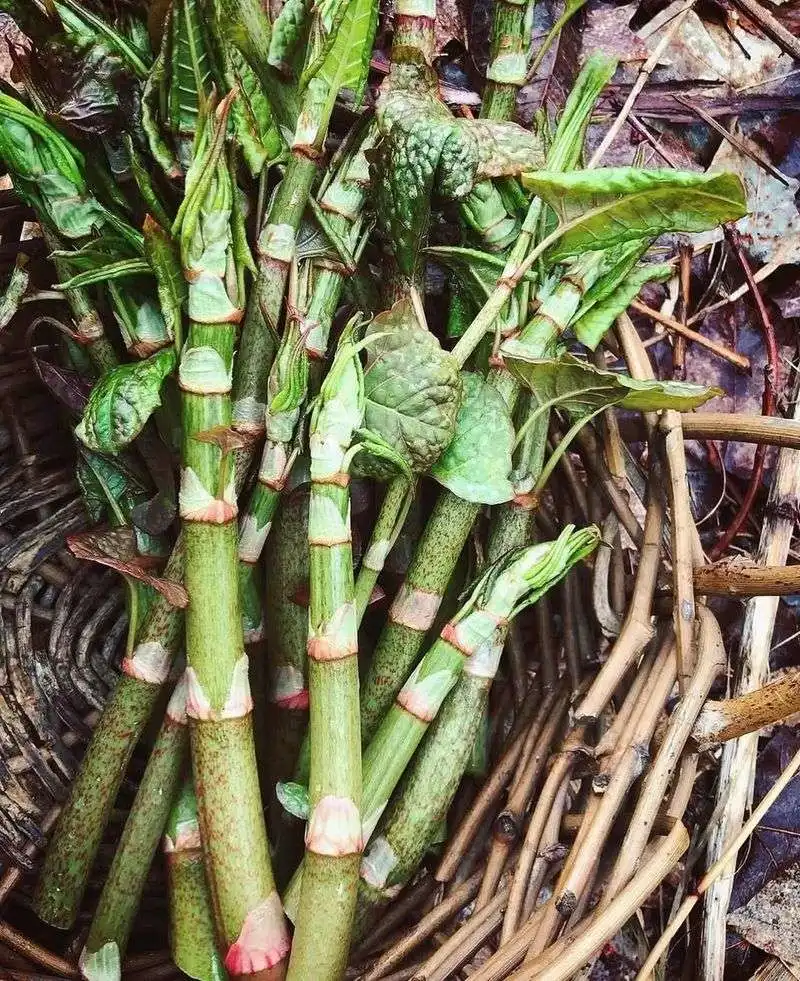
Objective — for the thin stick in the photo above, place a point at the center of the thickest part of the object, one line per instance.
(733, 139)
(739, 360)
(39, 955)
(771, 430)
(727, 858)
(763, 273)
(768, 399)
(771, 27)
(734, 717)
(737, 768)
(508, 825)
(644, 74)
(566, 956)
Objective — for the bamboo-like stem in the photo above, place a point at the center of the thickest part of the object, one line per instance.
(637, 630)
(248, 913)
(192, 939)
(738, 758)
(505, 73)
(710, 662)
(388, 524)
(490, 792)
(716, 871)
(119, 901)
(565, 957)
(719, 722)
(324, 918)
(732, 579)
(507, 828)
(79, 829)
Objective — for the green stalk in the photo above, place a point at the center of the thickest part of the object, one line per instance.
(191, 922)
(119, 901)
(276, 243)
(389, 523)
(507, 60)
(248, 913)
(517, 580)
(79, 829)
(333, 835)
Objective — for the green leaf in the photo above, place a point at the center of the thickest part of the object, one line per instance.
(601, 209)
(287, 33)
(102, 964)
(107, 486)
(581, 389)
(122, 402)
(190, 76)
(567, 144)
(477, 463)
(162, 254)
(114, 270)
(478, 272)
(594, 319)
(293, 798)
(340, 45)
(412, 388)
(93, 29)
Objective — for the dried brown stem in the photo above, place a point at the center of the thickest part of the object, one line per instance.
(731, 718)
(686, 549)
(771, 430)
(737, 767)
(717, 870)
(507, 828)
(39, 955)
(733, 357)
(710, 662)
(559, 775)
(549, 852)
(768, 401)
(637, 630)
(592, 456)
(611, 737)
(732, 579)
(489, 793)
(771, 26)
(424, 928)
(564, 958)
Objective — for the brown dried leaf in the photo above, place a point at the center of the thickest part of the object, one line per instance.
(224, 437)
(117, 549)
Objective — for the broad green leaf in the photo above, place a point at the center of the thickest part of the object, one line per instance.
(592, 323)
(412, 388)
(477, 463)
(93, 29)
(606, 208)
(108, 485)
(340, 45)
(122, 402)
(478, 272)
(190, 76)
(162, 254)
(580, 388)
(293, 798)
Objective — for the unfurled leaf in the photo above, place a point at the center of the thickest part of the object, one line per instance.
(122, 402)
(411, 386)
(162, 254)
(477, 463)
(91, 29)
(293, 798)
(117, 550)
(590, 326)
(607, 208)
(340, 45)
(580, 388)
(565, 150)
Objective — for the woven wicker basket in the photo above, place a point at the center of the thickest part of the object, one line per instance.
(62, 629)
